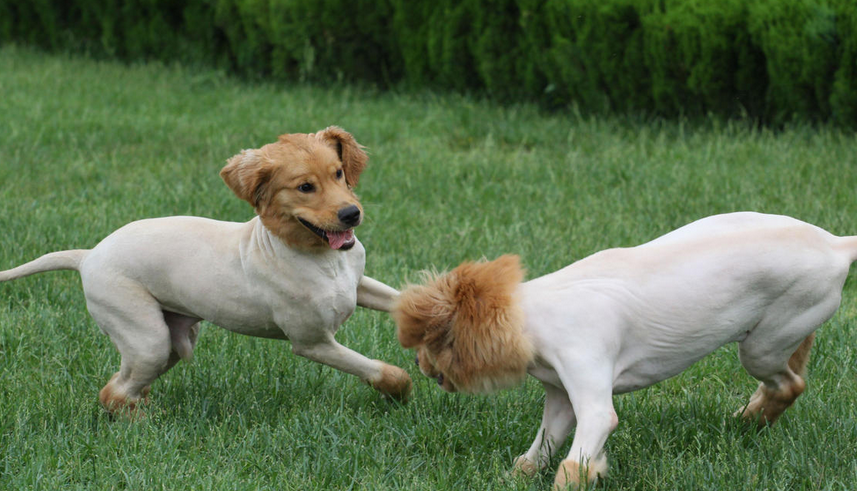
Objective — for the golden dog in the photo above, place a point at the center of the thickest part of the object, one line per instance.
(293, 272)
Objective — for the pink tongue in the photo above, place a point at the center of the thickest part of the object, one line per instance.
(339, 239)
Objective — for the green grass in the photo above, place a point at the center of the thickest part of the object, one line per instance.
(88, 146)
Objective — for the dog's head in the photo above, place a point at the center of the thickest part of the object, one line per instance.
(301, 186)
(467, 326)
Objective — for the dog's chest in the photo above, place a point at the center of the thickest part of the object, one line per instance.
(323, 291)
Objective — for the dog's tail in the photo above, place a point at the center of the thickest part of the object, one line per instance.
(848, 245)
(49, 262)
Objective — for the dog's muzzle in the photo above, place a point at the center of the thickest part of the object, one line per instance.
(439, 377)
(342, 240)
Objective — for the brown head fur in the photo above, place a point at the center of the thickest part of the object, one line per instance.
(467, 326)
(271, 179)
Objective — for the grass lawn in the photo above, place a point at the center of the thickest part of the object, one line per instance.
(88, 146)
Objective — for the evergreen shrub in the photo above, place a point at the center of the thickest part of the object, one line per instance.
(774, 60)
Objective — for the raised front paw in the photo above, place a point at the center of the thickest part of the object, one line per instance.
(393, 382)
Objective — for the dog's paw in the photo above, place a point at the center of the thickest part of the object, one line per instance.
(525, 467)
(393, 382)
(126, 411)
(121, 406)
(572, 475)
(767, 405)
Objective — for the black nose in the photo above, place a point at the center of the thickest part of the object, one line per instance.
(440, 379)
(350, 215)
(417, 359)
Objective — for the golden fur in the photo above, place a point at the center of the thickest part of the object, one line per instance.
(467, 326)
(116, 403)
(570, 475)
(269, 178)
(766, 405)
(393, 382)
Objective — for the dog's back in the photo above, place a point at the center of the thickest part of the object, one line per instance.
(669, 302)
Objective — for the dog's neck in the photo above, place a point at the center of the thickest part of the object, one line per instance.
(274, 247)
(292, 233)
(531, 332)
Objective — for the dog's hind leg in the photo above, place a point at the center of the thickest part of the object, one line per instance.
(776, 351)
(780, 385)
(135, 324)
(557, 421)
(799, 359)
(184, 332)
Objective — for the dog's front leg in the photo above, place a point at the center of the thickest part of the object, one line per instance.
(557, 420)
(372, 294)
(387, 379)
(590, 387)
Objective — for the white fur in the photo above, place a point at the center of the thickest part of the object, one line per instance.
(624, 319)
(150, 282)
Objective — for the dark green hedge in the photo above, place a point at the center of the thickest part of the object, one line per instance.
(775, 60)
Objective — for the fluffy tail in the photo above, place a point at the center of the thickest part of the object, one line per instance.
(49, 262)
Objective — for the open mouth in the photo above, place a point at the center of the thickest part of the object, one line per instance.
(343, 240)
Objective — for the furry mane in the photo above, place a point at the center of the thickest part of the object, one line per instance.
(471, 323)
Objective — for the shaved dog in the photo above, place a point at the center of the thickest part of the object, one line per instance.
(624, 319)
(293, 272)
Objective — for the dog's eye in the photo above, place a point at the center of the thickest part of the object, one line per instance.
(306, 188)
(339, 174)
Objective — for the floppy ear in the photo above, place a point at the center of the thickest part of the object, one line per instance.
(350, 152)
(247, 175)
(423, 313)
